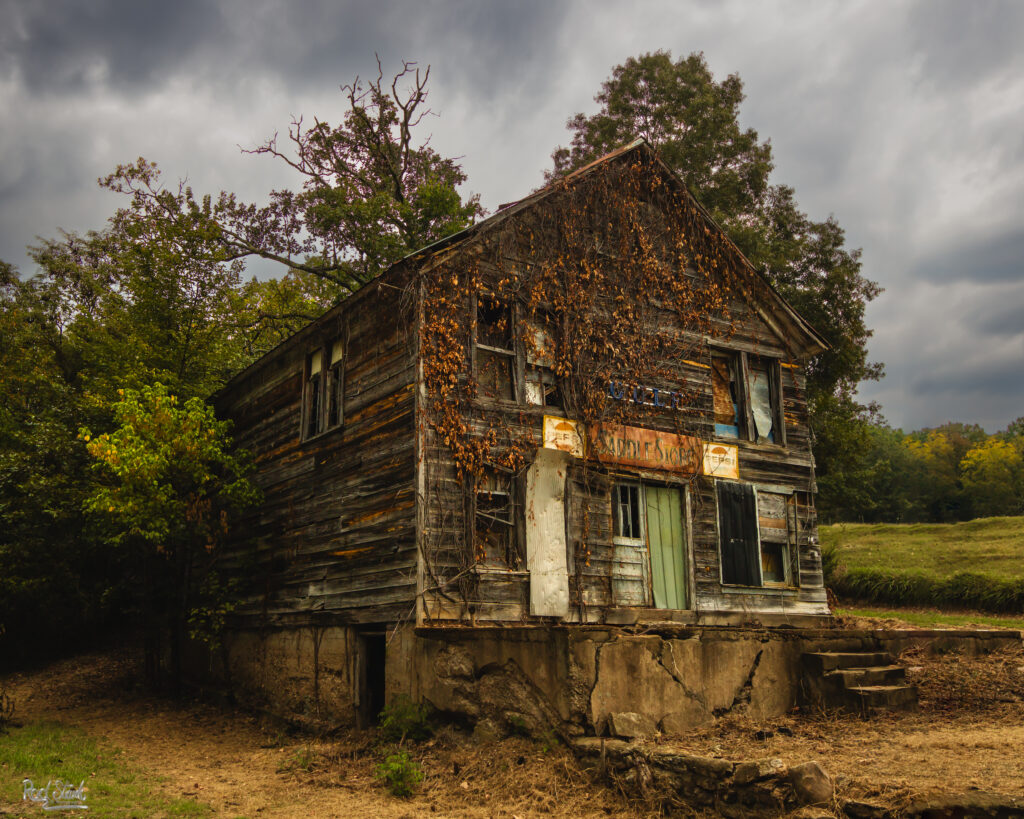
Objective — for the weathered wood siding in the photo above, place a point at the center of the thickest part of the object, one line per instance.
(605, 576)
(334, 538)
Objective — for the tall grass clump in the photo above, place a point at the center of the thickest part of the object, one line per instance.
(967, 590)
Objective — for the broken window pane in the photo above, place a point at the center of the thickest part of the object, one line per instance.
(542, 388)
(761, 403)
(495, 522)
(314, 416)
(494, 323)
(626, 511)
(494, 374)
(773, 562)
(726, 397)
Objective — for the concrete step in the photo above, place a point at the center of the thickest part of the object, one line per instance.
(868, 698)
(871, 675)
(824, 661)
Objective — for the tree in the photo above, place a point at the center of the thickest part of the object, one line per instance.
(692, 120)
(993, 478)
(171, 484)
(370, 192)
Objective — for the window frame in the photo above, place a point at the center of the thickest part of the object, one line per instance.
(512, 355)
(790, 547)
(624, 540)
(326, 387)
(514, 534)
(739, 362)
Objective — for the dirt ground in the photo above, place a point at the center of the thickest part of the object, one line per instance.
(968, 734)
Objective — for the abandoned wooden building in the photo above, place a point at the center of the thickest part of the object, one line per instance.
(581, 417)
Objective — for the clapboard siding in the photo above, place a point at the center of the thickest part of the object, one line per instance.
(335, 533)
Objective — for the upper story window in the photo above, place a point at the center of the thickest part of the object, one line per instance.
(324, 389)
(495, 520)
(494, 356)
(747, 397)
(542, 387)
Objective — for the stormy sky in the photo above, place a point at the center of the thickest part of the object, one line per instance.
(903, 119)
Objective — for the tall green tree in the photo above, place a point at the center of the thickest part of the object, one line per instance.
(169, 486)
(693, 121)
(371, 190)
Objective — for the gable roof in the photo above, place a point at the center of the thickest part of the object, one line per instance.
(781, 317)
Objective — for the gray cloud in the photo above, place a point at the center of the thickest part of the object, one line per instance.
(901, 118)
(998, 258)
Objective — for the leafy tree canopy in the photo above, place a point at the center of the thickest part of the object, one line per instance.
(693, 121)
(370, 190)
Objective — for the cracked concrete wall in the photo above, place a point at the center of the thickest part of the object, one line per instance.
(574, 680)
(680, 684)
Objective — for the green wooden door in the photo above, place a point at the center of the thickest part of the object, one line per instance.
(667, 540)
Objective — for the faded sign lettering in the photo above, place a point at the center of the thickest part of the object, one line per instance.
(647, 448)
(562, 434)
(722, 461)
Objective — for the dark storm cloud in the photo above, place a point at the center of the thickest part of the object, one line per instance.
(1001, 376)
(1002, 316)
(999, 258)
(60, 47)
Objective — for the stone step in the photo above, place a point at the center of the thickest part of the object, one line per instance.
(824, 661)
(871, 675)
(870, 698)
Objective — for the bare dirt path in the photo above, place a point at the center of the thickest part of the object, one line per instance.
(243, 766)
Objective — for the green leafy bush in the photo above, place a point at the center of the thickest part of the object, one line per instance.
(405, 719)
(399, 774)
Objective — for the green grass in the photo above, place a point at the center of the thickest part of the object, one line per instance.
(989, 546)
(42, 751)
(938, 619)
(977, 565)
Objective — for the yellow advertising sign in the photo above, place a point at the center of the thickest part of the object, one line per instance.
(722, 461)
(563, 435)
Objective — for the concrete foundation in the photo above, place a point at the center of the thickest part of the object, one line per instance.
(570, 680)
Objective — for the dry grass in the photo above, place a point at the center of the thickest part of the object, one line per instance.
(967, 734)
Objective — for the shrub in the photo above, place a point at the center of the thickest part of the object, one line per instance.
(399, 773)
(829, 562)
(6, 711)
(405, 719)
(961, 590)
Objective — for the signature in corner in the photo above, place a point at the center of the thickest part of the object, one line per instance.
(56, 794)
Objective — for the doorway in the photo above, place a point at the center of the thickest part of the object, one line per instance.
(650, 540)
(371, 678)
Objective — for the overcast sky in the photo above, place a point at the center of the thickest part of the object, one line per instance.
(903, 119)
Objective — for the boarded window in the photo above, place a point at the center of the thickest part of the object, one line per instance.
(737, 531)
(725, 386)
(494, 374)
(542, 388)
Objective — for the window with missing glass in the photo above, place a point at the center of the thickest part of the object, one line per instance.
(494, 349)
(324, 389)
(495, 521)
(747, 398)
(627, 520)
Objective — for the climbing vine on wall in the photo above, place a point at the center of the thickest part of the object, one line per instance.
(617, 273)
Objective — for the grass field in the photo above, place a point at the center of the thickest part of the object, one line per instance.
(977, 565)
(989, 546)
(47, 751)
